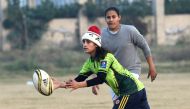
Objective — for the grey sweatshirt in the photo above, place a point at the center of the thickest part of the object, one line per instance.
(124, 46)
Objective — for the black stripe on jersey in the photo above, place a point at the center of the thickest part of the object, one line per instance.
(101, 77)
(82, 77)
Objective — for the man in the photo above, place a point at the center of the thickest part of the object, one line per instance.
(123, 41)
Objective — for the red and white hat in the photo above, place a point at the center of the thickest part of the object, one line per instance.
(93, 34)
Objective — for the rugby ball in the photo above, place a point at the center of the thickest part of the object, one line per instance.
(42, 82)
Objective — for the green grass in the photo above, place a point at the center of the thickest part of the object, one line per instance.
(171, 53)
(25, 62)
(168, 59)
(170, 67)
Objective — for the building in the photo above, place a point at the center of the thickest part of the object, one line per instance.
(34, 3)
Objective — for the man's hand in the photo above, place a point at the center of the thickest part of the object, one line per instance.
(152, 73)
(152, 70)
(95, 89)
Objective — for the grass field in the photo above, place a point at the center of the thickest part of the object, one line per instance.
(169, 91)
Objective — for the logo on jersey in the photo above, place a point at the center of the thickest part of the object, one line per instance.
(103, 64)
(117, 102)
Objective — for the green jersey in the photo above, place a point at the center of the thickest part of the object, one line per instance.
(117, 77)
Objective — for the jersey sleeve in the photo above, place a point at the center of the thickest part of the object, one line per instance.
(85, 71)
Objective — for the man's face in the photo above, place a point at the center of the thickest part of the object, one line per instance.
(112, 20)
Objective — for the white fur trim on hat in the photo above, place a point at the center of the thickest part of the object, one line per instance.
(92, 36)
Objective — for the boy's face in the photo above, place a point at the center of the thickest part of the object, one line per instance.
(112, 20)
(89, 47)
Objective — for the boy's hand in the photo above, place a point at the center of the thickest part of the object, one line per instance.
(95, 89)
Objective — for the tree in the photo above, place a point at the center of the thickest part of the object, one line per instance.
(177, 6)
(91, 10)
(26, 25)
(133, 13)
(14, 12)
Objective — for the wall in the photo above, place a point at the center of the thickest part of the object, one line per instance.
(174, 27)
(61, 32)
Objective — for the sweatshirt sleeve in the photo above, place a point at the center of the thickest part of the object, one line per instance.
(140, 41)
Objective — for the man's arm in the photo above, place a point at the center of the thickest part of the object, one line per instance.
(139, 40)
(152, 71)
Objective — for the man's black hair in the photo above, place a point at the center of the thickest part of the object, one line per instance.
(112, 9)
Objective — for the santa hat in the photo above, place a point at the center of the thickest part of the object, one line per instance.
(93, 34)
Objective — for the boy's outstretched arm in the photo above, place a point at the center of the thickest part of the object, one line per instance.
(58, 84)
